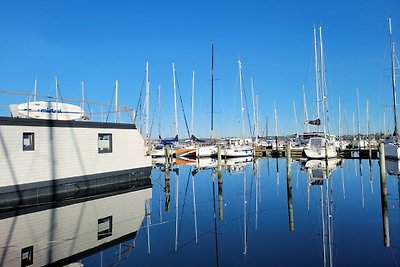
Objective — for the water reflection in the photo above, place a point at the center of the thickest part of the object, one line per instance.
(81, 223)
(229, 214)
(235, 215)
(319, 174)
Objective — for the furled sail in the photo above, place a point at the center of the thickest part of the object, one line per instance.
(314, 122)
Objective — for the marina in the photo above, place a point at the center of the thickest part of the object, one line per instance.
(233, 213)
(162, 134)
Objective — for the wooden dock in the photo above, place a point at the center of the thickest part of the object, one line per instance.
(350, 153)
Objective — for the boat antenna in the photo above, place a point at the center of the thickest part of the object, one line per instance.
(393, 76)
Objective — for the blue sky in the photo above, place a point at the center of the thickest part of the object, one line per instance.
(103, 41)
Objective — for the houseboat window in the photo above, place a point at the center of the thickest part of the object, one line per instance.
(105, 143)
(28, 141)
(104, 227)
(27, 256)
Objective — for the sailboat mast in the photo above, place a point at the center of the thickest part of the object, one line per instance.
(116, 101)
(147, 100)
(212, 89)
(159, 110)
(175, 110)
(340, 121)
(323, 83)
(276, 123)
(358, 119)
(254, 105)
(257, 133)
(367, 119)
(56, 97)
(35, 91)
(83, 98)
(305, 109)
(393, 76)
(56, 88)
(192, 120)
(295, 118)
(241, 96)
(316, 71)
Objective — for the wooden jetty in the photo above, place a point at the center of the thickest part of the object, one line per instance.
(297, 152)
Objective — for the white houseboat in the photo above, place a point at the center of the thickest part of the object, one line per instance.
(37, 151)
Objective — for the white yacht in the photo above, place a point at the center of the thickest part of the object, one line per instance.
(320, 147)
(323, 144)
(236, 148)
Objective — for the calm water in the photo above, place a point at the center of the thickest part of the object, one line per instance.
(246, 220)
(250, 214)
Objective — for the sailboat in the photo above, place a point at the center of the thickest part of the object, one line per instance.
(320, 144)
(237, 147)
(392, 145)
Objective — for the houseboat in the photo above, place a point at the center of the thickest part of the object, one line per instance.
(53, 149)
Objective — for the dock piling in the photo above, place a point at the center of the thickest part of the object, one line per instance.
(385, 218)
(289, 186)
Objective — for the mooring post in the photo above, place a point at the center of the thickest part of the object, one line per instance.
(167, 188)
(369, 149)
(219, 159)
(220, 200)
(166, 154)
(385, 218)
(288, 159)
(289, 186)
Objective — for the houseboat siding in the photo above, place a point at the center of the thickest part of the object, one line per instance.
(65, 149)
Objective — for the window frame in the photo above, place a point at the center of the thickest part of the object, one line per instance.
(102, 150)
(27, 256)
(107, 232)
(30, 136)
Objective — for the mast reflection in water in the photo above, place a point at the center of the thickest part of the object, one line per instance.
(232, 215)
(203, 214)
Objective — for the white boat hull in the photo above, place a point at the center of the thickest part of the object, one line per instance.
(234, 152)
(320, 153)
(157, 153)
(320, 148)
(206, 151)
(47, 111)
